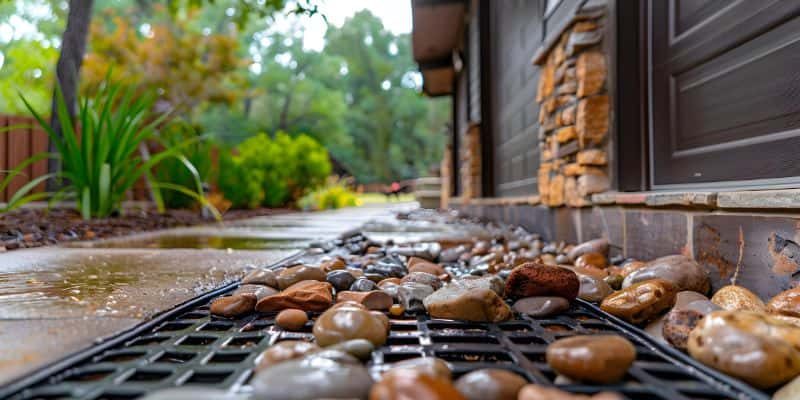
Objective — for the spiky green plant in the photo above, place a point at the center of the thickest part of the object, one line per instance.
(100, 154)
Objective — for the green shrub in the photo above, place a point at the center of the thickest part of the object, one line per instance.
(197, 150)
(274, 172)
(99, 150)
(335, 194)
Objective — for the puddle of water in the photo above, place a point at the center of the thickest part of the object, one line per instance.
(54, 283)
(203, 242)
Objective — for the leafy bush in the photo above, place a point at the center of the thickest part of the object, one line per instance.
(197, 149)
(335, 194)
(273, 172)
(100, 151)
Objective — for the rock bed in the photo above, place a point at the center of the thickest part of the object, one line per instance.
(191, 346)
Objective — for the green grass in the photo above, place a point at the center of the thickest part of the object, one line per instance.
(378, 198)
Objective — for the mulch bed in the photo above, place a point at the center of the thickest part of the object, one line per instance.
(30, 227)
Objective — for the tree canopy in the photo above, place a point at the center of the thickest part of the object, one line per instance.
(227, 71)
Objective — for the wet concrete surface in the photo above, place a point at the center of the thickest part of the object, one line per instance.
(57, 300)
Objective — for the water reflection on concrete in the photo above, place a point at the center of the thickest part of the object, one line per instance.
(114, 282)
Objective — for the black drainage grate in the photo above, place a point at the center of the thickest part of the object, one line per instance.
(187, 346)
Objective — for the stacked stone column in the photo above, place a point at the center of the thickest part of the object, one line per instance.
(574, 117)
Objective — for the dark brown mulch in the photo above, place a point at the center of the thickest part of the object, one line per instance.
(27, 228)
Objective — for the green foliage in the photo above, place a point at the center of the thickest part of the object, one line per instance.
(99, 151)
(27, 66)
(273, 172)
(24, 194)
(197, 149)
(335, 194)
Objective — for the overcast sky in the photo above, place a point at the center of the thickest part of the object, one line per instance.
(395, 14)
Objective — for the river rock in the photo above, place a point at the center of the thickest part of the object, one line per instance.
(285, 350)
(346, 322)
(260, 291)
(596, 273)
(303, 295)
(539, 392)
(329, 375)
(416, 264)
(387, 267)
(189, 392)
(469, 304)
(491, 282)
(490, 384)
(358, 348)
(592, 246)
(291, 319)
(292, 275)
(790, 391)
(683, 272)
(593, 289)
(424, 278)
(642, 301)
(233, 305)
(334, 264)
(260, 276)
(390, 288)
(733, 297)
(410, 384)
(363, 285)
(751, 346)
(677, 325)
(412, 294)
(532, 279)
(786, 303)
(614, 280)
(596, 358)
(340, 279)
(452, 254)
(373, 300)
(432, 366)
(630, 266)
(541, 306)
(592, 259)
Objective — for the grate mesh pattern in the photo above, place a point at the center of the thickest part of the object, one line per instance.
(188, 346)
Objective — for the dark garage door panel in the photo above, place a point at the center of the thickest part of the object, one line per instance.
(725, 91)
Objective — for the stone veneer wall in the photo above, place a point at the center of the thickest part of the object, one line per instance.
(574, 116)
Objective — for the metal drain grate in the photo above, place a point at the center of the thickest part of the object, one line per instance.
(187, 346)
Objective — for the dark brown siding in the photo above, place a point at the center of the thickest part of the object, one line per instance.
(516, 33)
(725, 92)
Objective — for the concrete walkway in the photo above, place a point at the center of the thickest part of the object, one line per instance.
(55, 301)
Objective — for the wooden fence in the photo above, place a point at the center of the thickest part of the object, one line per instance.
(16, 146)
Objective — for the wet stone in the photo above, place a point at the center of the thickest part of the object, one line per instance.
(540, 307)
(593, 289)
(432, 366)
(593, 246)
(340, 279)
(683, 272)
(469, 304)
(358, 348)
(790, 391)
(285, 350)
(490, 384)
(738, 298)
(615, 281)
(750, 346)
(346, 322)
(410, 384)
(372, 300)
(539, 392)
(786, 303)
(332, 375)
(234, 305)
(562, 259)
(531, 279)
(677, 325)
(641, 302)
(333, 265)
(260, 291)
(491, 282)
(292, 275)
(363, 285)
(261, 276)
(597, 358)
(424, 278)
(189, 393)
(419, 265)
(291, 319)
(304, 295)
(387, 268)
(591, 259)
(412, 295)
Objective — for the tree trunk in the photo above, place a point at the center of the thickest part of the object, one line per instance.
(73, 47)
